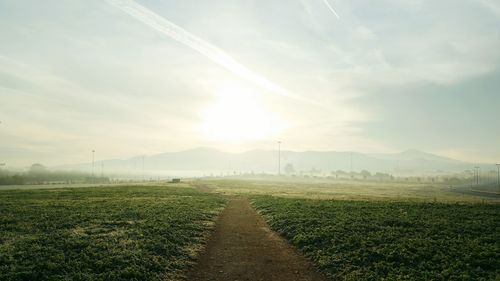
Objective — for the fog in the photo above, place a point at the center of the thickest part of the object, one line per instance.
(249, 140)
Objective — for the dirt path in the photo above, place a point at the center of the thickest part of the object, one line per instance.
(243, 248)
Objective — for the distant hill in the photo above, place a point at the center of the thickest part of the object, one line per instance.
(207, 160)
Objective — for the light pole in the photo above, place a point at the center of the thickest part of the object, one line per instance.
(477, 175)
(93, 152)
(498, 176)
(279, 158)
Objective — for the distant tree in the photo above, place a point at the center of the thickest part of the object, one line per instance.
(382, 176)
(37, 169)
(341, 174)
(314, 171)
(289, 169)
(365, 174)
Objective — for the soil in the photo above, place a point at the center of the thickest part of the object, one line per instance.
(243, 247)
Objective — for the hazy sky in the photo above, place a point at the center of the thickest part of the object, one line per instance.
(383, 76)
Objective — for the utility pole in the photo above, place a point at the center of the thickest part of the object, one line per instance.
(93, 152)
(279, 158)
(498, 176)
(477, 175)
(472, 179)
(142, 167)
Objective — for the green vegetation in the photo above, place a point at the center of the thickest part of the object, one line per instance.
(377, 240)
(38, 174)
(316, 188)
(105, 233)
(153, 232)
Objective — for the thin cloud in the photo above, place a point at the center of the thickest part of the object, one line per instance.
(493, 7)
(331, 9)
(213, 53)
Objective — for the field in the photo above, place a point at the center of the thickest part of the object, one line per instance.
(350, 230)
(315, 188)
(377, 240)
(105, 233)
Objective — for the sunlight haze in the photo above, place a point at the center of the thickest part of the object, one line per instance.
(128, 78)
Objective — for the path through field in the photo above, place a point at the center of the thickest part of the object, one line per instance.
(243, 248)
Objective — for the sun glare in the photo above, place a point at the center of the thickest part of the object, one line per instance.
(237, 115)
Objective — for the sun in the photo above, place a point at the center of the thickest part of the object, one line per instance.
(238, 115)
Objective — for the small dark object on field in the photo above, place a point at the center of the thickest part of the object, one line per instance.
(176, 180)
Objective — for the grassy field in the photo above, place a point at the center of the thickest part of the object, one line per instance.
(369, 231)
(105, 233)
(343, 189)
(386, 240)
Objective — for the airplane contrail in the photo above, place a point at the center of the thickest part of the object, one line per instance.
(215, 54)
(331, 8)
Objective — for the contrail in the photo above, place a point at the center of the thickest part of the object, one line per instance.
(218, 56)
(331, 8)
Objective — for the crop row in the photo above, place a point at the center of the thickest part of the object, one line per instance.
(113, 233)
(362, 240)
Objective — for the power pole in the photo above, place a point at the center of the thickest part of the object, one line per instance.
(279, 158)
(498, 176)
(93, 152)
(472, 179)
(142, 167)
(477, 175)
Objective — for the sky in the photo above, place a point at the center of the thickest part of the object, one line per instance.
(127, 78)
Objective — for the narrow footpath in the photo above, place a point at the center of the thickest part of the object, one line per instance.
(243, 248)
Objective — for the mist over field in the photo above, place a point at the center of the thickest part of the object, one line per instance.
(298, 140)
(210, 161)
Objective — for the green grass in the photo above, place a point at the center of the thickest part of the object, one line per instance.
(342, 189)
(105, 233)
(377, 240)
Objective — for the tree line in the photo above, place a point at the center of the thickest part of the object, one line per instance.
(39, 174)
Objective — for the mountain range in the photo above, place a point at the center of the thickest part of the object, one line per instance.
(206, 161)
